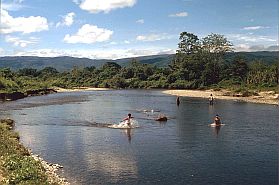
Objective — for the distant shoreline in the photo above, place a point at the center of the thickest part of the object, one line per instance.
(81, 89)
(267, 97)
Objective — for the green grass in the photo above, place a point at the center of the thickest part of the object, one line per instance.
(16, 164)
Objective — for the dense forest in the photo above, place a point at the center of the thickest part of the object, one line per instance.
(197, 64)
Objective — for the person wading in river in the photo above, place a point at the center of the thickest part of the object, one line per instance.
(211, 99)
(128, 119)
(177, 101)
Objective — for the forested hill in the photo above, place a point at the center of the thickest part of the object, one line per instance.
(60, 63)
(268, 57)
(66, 63)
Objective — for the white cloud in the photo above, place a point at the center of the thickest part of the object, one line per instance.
(89, 34)
(68, 20)
(96, 54)
(140, 21)
(96, 6)
(151, 51)
(152, 37)
(16, 41)
(254, 27)
(248, 48)
(180, 14)
(22, 24)
(242, 47)
(251, 38)
(2, 51)
(273, 48)
(14, 5)
(77, 1)
(126, 42)
(167, 51)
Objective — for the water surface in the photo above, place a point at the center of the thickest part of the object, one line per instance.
(70, 129)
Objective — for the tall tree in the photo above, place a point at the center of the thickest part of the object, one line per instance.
(189, 43)
(216, 43)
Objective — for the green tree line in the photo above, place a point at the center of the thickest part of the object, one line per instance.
(198, 64)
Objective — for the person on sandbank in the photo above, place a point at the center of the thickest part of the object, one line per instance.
(217, 120)
(128, 119)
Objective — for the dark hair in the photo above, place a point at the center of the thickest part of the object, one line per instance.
(129, 114)
(217, 115)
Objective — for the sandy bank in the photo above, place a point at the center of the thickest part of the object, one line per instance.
(268, 97)
(81, 89)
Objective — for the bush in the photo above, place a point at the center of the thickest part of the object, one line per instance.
(23, 169)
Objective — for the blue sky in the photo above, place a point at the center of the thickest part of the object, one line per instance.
(128, 28)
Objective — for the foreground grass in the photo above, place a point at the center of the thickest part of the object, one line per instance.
(17, 166)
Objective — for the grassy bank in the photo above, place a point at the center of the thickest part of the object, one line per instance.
(17, 166)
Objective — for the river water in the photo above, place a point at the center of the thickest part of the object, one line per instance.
(70, 129)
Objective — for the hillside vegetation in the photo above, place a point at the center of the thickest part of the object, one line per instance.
(198, 64)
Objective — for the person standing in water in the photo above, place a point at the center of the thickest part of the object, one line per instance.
(211, 99)
(177, 101)
(128, 119)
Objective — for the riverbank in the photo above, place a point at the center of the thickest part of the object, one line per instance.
(18, 165)
(267, 97)
(19, 95)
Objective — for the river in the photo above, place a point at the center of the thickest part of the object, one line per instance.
(70, 129)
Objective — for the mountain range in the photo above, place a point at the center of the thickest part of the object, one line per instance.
(65, 63)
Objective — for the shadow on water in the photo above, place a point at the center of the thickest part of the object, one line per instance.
(217, 130)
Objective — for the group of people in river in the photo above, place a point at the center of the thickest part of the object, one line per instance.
(161, 117)
(217, 119)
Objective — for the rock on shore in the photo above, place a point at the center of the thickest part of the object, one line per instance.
(51, 171)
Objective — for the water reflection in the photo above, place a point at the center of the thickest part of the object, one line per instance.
(217, 130)
(111, 166)
(128, 133)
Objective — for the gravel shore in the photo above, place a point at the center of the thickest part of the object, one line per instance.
(51, 171)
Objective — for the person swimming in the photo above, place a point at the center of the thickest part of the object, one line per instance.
(161, 117)
(217, 120)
